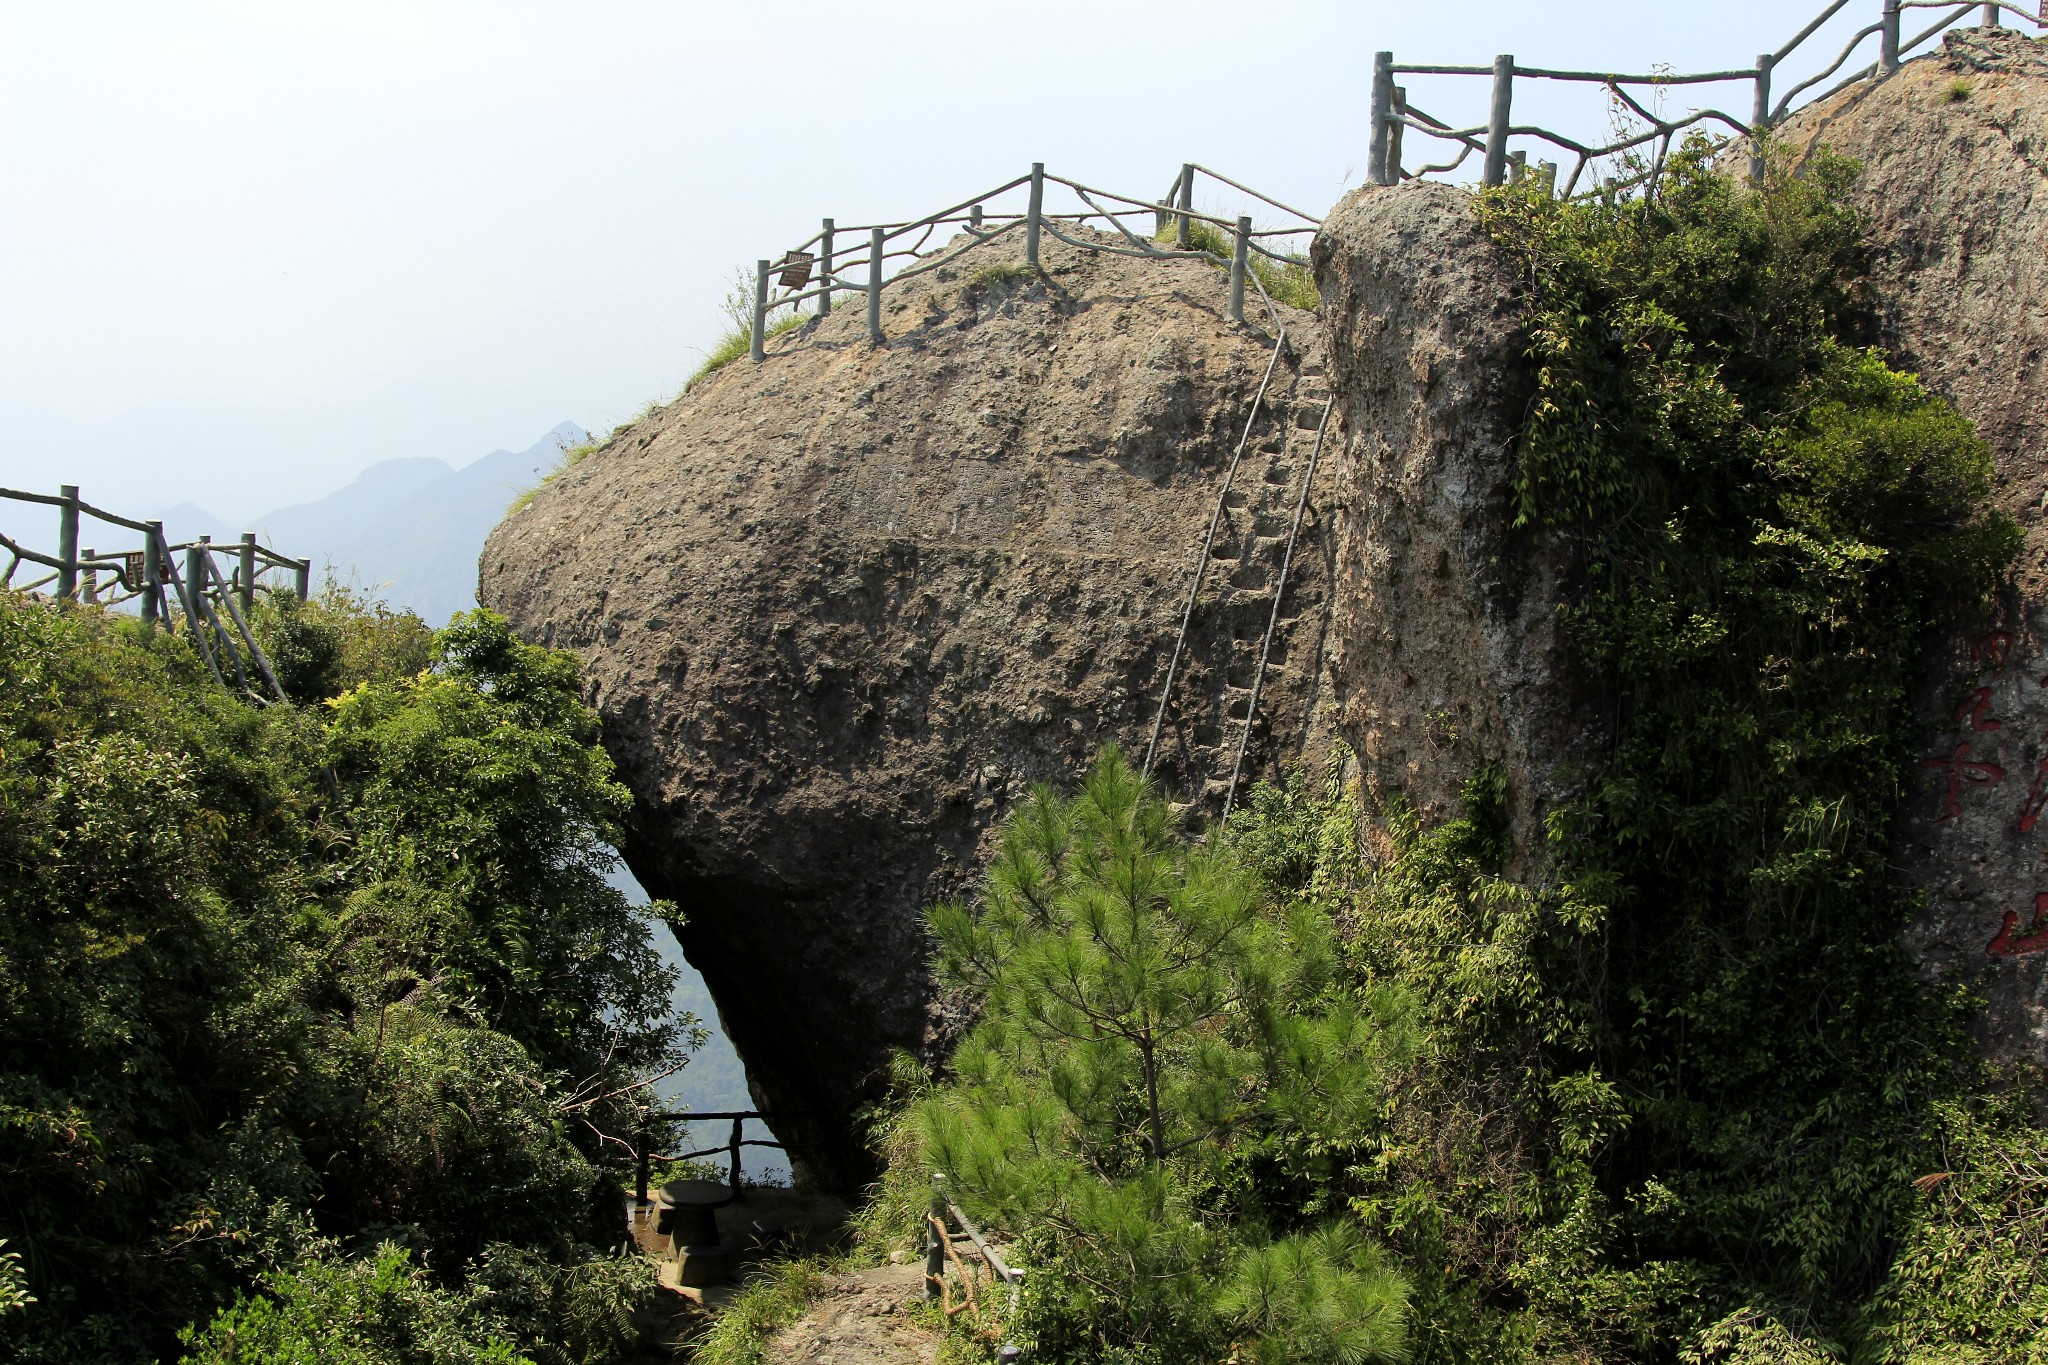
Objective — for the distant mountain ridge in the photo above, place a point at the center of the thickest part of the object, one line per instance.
(408, 529)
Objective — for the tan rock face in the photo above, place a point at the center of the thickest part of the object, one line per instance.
(1954, 150)
(839, 609)
(1444, 642)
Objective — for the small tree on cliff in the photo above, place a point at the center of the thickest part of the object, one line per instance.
(1148, 1021)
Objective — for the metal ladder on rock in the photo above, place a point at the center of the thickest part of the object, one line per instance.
(1241, 574)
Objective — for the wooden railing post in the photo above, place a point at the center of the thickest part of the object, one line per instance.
(640, 1141)
(1034, 212)
(67, 543)
(1497, 120)
(1183, 225)
(1382, 117)
(759, 349)
(197, 559)
(738, 1128)
(1394, 131)
(152, 574)
(1990, 14)
(302, 579)
(875, 245)
(1888, 38)
(246, 572)
(1240, 260)
(935, 1243)
(89, 586)
(825, 268)
(1760, 117)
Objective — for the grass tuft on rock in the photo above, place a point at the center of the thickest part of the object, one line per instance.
(570, 457)
(774, 1298)
(1290, 282)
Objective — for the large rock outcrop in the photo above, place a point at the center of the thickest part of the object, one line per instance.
(1445, 647)
(1954, 150)
(840, 608)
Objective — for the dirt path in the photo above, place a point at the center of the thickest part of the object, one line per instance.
(862, 1319)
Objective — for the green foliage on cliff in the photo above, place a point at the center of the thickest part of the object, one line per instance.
(1680, 1081)
(1766, 523)
(280, 986)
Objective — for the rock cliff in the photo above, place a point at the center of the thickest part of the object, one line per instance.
(1953, 149)
(1444, 641)
(839, 609)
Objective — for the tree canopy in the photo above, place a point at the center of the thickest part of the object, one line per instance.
(279, 986)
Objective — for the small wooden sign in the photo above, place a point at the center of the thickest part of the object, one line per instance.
(132, 571)
(796, 269)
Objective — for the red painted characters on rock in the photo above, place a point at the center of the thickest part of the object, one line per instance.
(1976, 709)
(1961, 769)
(2009, 944)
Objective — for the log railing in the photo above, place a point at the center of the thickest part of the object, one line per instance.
(1648, 139)
(209, 608)
(942, 1252)
(817, 269)
(644, 1155)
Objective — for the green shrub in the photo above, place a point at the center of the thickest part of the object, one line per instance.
(511, 1308)
(383, 1310)
(338, 640)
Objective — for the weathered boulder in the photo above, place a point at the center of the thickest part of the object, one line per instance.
(1953, 148)
(1445, 648)
(840, 608)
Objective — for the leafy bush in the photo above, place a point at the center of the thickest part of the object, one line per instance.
(275, 983)
(338, 640)
(381, 1310)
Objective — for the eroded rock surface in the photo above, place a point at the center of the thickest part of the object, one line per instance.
(1954, 150)
(839, 609)
(1445, 649)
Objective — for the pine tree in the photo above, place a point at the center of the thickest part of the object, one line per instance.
(1148, 1020)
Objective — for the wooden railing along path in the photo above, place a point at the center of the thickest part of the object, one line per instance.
(1633, 96)
(209, 608)
(644, 1156)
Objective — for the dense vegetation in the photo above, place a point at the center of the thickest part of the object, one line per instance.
(1663, 1088)
(313, 1019)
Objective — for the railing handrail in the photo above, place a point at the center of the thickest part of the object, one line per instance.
(643, 1157)
(817, 253)
(1391, 112)
(939, 1248)
(149, 577)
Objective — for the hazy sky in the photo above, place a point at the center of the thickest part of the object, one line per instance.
(251, 246)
